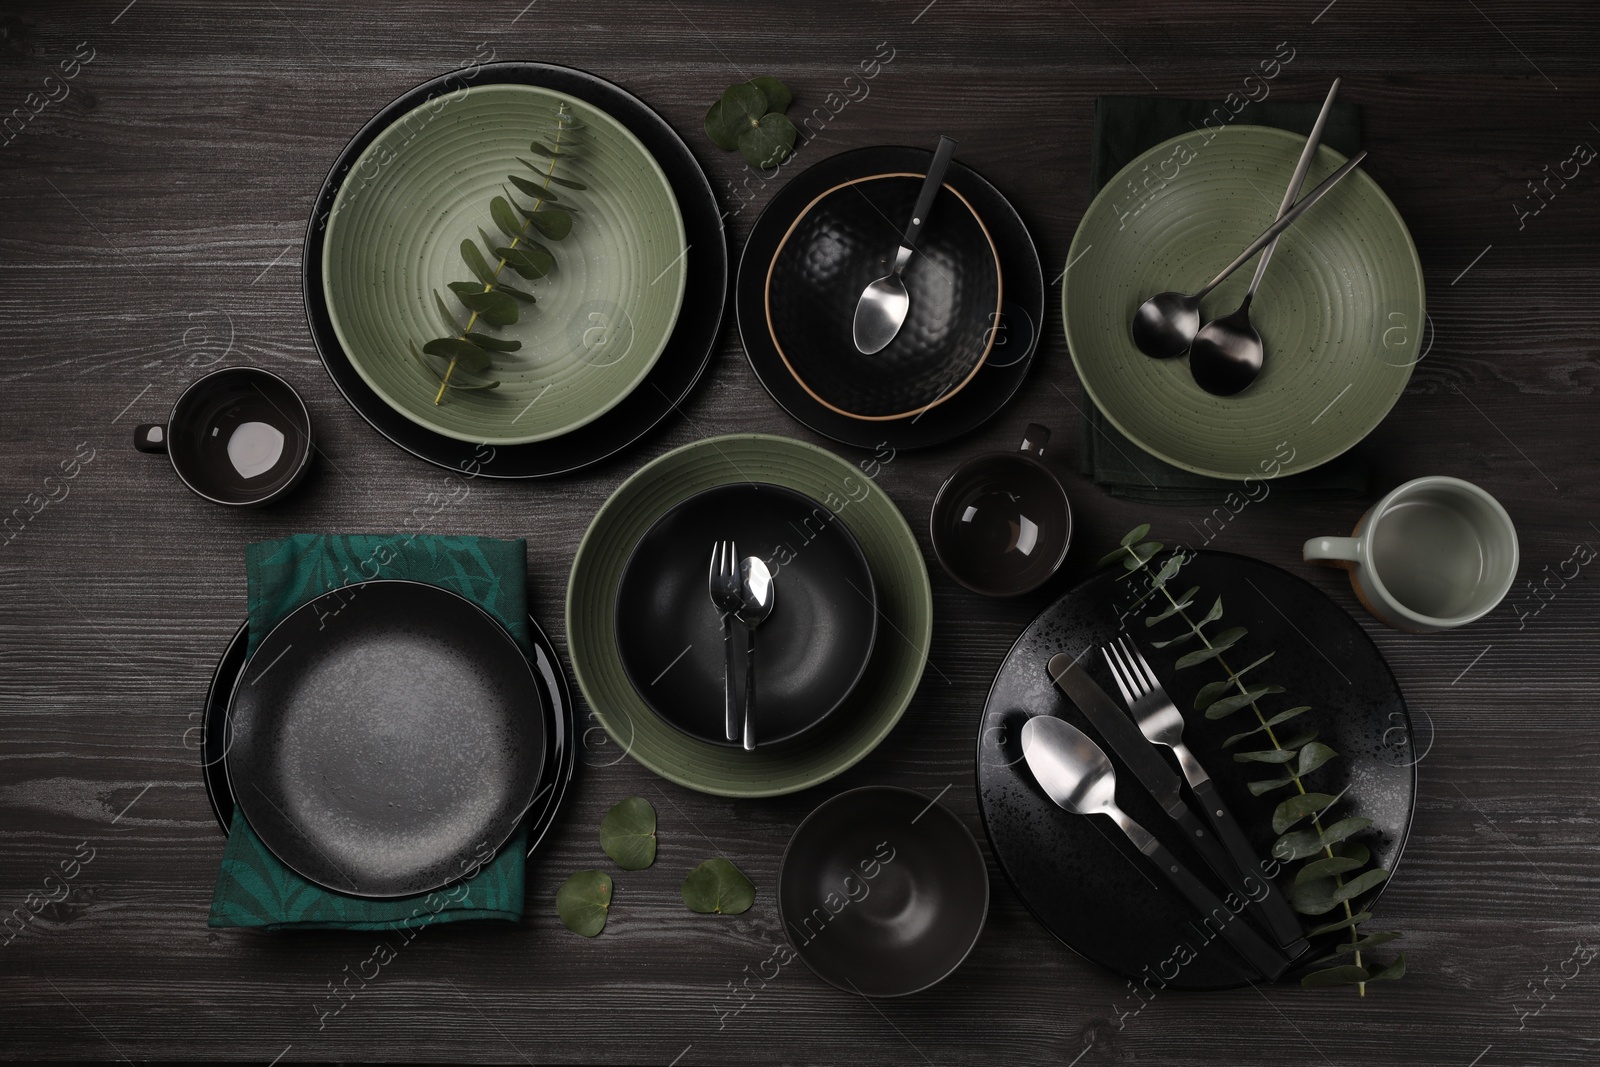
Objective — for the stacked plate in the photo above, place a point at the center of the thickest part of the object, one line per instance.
(976, 288)
(623, 326)
(383, 756)
(839, 658)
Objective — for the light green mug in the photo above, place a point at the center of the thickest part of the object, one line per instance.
(1433, 554)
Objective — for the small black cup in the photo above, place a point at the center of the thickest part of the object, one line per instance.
(1001, 524)
(240, 437)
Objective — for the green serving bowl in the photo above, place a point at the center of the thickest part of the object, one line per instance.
(905, 599)
(604, 314)
(1340, 309)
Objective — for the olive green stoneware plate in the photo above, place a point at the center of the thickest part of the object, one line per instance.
(1340, 309)
(904, 597)
(603, 315)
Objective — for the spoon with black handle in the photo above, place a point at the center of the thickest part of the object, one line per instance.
(1166, 324)
(882, 309)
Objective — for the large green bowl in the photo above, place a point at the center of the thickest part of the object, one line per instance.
(905, 600)
(603, 316)
(1340, 309)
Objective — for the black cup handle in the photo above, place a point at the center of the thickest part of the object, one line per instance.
(1035, 439)
(150, 437)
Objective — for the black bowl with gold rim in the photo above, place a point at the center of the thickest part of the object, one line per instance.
(841, 241)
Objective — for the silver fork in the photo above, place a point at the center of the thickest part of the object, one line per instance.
(725, 586)
(1162, 724)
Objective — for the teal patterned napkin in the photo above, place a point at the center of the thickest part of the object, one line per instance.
(253, 887)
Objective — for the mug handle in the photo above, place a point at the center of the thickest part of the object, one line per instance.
(150, 437)
(1332, 551)
(1034, 439)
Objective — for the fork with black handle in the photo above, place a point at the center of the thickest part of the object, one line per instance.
(1162, 724)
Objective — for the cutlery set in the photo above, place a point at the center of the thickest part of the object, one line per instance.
(742, 591)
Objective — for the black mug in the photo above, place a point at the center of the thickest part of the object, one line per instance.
(1001, 524)
(239, 437)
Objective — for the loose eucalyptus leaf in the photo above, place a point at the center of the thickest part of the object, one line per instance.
(529, 265)
(1222, 707)
(1349, 921)
(778, 95)
(466, 354)
(583, 901)
(628, 834)
(1313, 756)
(743, 106)
(1327, 867)
(1134, 535)
(1268, 785)
(493, 344)
(1299, 807)
(1395, 970)
(1219, 644)
(552, 222)
(770, 142)
(1299, 844)
(497, 309)
(476, 263)
(1265, 755)
(723, 133)
(1281, 717)
(720, 887)
(449, 319)
(500, 212)
(1332, 977)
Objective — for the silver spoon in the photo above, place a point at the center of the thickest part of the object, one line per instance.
(881, 311)
(1228, 352)
(1165, 325)
(756, 594)
(1076, 774)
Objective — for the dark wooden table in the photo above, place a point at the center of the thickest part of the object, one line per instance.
(155, 214)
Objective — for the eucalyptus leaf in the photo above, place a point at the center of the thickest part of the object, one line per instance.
(1299, 844)
(567, 183)
(476, 263)
(1327, 867)
(457, 383)
(552, 222)
(1313, 756)
(1173, 564)
(1390, 973)
(1212, 690)
(1359, 884)
(1178, 604)
(497, 309)
(464, 353)
(1222, 707)
(1219, 644)
(528, 188)
(628, 834)
(1354, 850)
(743, 107)
(1268, 785)
(1187, 635)
(723, 132)
(583, 902)
(717, 886)
(770, 142)
(540, 149)
(530, 265)
(1313, 896)
(493, 344)
(1213, 615)
(1134, 535)
(449, 319)
(778, 95)
(1333, 977)
(544, 191)
(1299, 807)
(1281, 717)
(1342, 924)
(1361, 944)
(518, 294)
(1141, 554)
(1265, 755)
(500, 212)
(1113, 556)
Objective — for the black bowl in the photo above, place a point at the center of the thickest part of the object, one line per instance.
(846, 238)
(810, 652)
(883, 890)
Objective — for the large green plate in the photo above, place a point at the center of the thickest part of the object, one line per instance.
(604, 315)
(904, 597)
(1340, 310)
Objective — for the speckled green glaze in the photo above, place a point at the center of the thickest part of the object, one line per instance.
(604, 315)
(1340, 310)
(905, 599)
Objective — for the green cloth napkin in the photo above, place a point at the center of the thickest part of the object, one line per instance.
(1124, 127)
(253, 887)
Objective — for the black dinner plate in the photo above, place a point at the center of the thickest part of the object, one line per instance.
(810, 652)
(383, 735)
(883, 891)
(555, 776)
(1076, 874)
(1016, 337)
(681, 365)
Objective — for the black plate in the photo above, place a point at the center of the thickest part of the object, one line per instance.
(846, 239)
(882, 891)
(1076, 874)
(1017, 338)
(383, 734)
(811, 651)
(555, 776)
(681, 364)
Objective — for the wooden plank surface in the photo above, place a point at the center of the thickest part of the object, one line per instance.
(152, 219)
